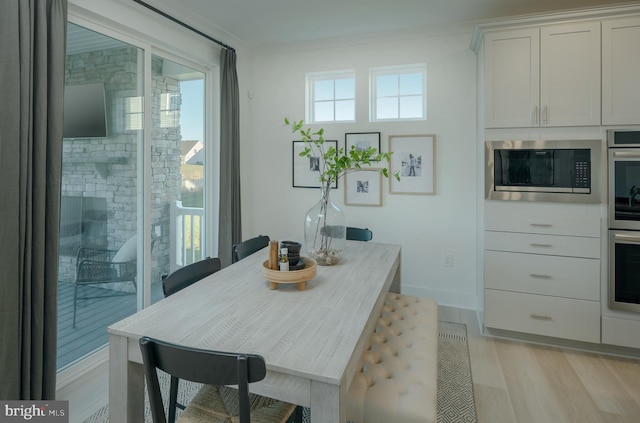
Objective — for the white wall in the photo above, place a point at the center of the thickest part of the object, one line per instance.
(427, 226)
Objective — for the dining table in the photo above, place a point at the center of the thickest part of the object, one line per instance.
(311, 339)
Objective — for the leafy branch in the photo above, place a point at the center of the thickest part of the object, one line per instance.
(335, 163)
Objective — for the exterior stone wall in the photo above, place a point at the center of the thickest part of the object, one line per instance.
(108, 168)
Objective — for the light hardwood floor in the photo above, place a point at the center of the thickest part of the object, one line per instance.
(514, 381)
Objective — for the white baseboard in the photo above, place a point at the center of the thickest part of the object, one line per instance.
(463, 300)
(85, 385)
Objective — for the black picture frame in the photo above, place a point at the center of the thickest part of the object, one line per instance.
(361, 140)
(304, 170)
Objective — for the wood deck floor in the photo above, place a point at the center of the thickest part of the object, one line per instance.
(93, 318)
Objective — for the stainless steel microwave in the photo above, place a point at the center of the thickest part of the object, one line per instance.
(559, 170)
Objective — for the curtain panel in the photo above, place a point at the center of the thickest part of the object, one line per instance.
(230, 224)
(32, 57)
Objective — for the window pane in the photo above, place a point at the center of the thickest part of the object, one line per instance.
(323, 90)
(387, 85)
(411, 107)
(177, 166)
(100, 196)
(411, 83)
(387, 108)
(323, 111)
(345, 110)
(345, 88)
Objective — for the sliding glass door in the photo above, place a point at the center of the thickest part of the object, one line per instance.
(178, 157)
(132, 187)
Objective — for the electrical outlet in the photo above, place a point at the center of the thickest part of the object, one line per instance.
(448, 260)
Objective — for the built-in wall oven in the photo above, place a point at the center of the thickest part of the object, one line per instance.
(624, 219)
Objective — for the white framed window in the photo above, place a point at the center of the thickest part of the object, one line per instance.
(398, 93)
(331, 96)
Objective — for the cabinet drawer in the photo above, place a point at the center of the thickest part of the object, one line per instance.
(541, 315)
(543, 244)
(568, 277)
(541, 224)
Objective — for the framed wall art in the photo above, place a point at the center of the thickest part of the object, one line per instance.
(414, 158)
(306, 170)
(362, 140)
(363, 187)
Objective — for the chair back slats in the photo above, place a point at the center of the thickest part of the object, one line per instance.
(359, 234)
(248, 247)
(201, 366)
(190, 274)
(243, 388)
(153, 385)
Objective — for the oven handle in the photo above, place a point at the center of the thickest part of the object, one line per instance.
(627, 154)
(627, 238)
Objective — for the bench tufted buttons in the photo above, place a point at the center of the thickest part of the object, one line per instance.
(400, 365)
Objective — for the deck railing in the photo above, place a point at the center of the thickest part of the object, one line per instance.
(187, 235)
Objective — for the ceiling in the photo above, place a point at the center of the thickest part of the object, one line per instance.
(260, 23)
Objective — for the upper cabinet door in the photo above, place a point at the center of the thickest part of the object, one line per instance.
(621, 71)
(512, 78)
(570, 74)
(548, 76)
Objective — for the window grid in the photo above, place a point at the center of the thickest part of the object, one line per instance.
(331, 97)
(398, 93)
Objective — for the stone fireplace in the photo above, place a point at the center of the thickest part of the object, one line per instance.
(100, 176)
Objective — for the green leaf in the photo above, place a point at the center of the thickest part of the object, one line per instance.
(336, 162)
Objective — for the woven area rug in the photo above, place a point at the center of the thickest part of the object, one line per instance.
(455, 386)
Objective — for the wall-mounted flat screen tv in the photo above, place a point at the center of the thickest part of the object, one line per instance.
(84, 111)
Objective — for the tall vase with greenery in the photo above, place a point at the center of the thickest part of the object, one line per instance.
(325, 224)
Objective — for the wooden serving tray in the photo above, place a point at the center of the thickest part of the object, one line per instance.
(299, 277)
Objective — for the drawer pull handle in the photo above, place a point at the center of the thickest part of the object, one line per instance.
(540, 316)
(539, 276)
(535, 244)
(541, 225)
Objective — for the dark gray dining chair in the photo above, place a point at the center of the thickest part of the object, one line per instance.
(248, 247)
(215, 369)
(189, 274)
(359, 234)
(180, 279)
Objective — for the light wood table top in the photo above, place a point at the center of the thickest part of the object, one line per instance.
(311, 340)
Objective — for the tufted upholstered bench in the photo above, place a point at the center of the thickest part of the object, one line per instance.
(398, 373)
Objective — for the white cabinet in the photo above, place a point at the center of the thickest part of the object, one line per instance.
(621, 71)
(512, 78)
(548, 76)
(565, 318)
(542, 275)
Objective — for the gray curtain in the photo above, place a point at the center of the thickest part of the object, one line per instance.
(32, 56)
(230, 225)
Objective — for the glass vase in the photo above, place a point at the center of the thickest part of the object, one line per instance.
(325, 231)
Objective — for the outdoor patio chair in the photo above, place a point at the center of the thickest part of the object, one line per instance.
(102, 268)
